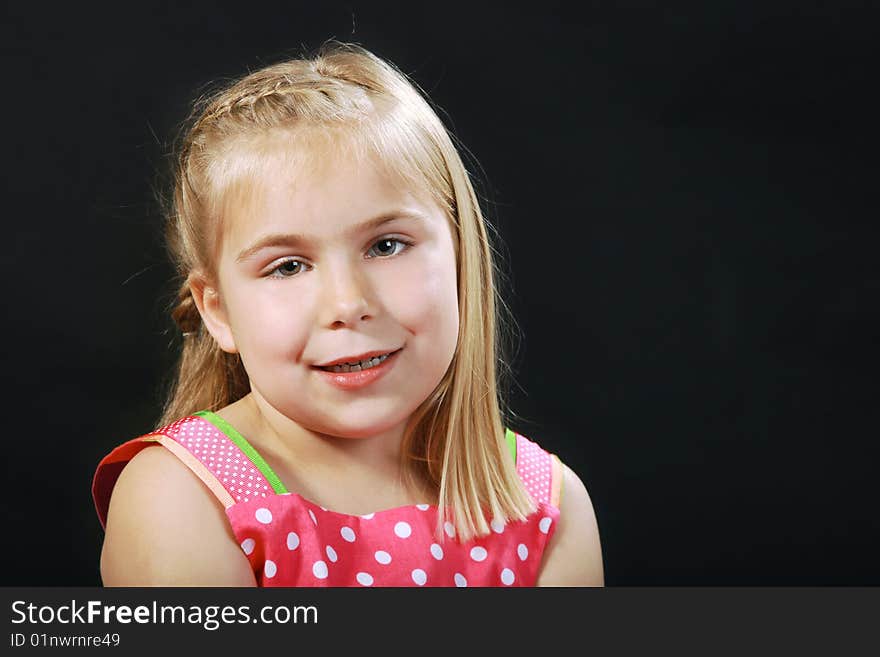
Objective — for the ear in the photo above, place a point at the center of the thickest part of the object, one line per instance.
(213, 311)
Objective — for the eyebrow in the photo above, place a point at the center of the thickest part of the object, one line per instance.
(297, 240)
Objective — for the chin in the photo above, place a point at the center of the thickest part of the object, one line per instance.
(360, 431)
(360, 428)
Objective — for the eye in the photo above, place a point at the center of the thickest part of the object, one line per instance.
(287, 269)
(388, 246)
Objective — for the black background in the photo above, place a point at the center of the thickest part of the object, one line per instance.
(687, 197)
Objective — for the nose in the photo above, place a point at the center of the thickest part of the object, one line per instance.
(347, 296)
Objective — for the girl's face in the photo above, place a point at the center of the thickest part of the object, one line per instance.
(336, 266)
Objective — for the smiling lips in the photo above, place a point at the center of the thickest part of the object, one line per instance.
(363, 361)
(358, 366)
(350, 373)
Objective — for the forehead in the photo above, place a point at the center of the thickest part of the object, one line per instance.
(313, 186)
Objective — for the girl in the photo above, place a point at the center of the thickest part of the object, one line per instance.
(335, 419)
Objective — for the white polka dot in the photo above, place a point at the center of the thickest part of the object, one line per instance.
(419, 576)
(264, 515)
(402, 529)
(497, 526)
(479, 553)
(320, 570)
(314, 520)
(436, 551)
(331, 554)
(460, 581)
(368, 516)
(365, 579)
(292, 541)
(347, 534)
(269, 569)
(449, 528)
(248, 545)
(422, 507)
(544, 525)
(522, 551)
(507, 577)
(383, 557)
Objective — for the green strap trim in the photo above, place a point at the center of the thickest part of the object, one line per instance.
(233, 435)
(511, 443)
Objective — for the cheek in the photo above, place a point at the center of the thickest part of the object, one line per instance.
(272, 318)
(424, 297)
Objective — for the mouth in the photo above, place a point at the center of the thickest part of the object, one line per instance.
(357, 363)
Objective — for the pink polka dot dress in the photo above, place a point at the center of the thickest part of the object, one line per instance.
(291, 541)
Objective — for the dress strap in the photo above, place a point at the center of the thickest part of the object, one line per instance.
(217, 459)
(540, 471)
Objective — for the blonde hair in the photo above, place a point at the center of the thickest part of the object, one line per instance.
(456, 438)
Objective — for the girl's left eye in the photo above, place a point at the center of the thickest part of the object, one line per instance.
(388, 246)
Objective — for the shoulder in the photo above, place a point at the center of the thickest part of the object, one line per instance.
(574, 554)
(165, 528)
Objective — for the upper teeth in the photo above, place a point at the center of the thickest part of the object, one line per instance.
(357, 367)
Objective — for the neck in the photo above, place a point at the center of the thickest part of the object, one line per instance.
(377, 454)
(350, 475)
